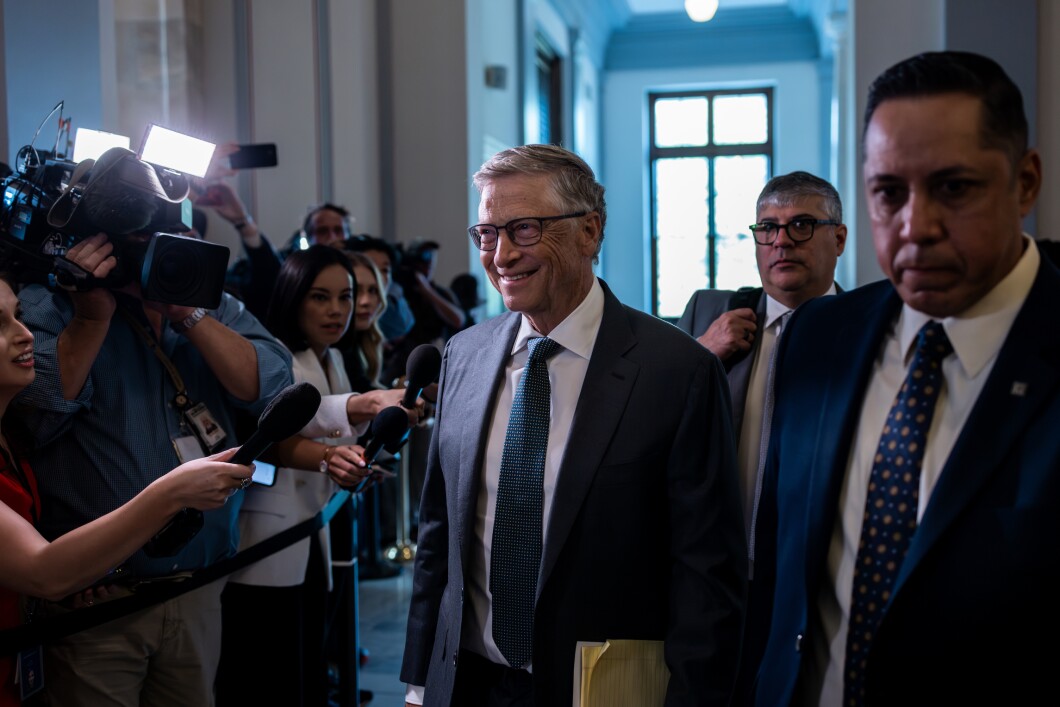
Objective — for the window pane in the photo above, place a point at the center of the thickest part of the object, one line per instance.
(681, 225)
(738, 181)
(740, 119)
(680, 122)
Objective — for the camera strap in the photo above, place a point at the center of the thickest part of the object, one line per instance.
(181, 401)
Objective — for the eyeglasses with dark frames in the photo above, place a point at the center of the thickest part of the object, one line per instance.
(523, 231)
(799, 229)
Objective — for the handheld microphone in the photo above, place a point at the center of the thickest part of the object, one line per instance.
(421, 370)
(284, 416)
(387, 428)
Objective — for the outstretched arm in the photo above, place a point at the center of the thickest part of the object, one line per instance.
(31, 565)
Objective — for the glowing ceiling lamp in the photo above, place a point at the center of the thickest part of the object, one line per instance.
(701, 10)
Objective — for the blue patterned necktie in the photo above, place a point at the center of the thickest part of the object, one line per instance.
(891, 506)
(515, 555)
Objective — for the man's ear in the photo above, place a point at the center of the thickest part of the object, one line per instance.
(1029, 180)
(589, 234)
(840, 239)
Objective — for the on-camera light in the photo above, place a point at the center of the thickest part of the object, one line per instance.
(177, 151)
(90, 144)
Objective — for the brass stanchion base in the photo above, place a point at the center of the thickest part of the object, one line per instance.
(401, 552)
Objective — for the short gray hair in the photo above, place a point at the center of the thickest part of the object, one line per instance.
(786, 189)
(572, 180)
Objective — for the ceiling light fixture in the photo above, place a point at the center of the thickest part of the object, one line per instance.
(701, 10)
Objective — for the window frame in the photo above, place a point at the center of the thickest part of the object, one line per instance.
(710, 152)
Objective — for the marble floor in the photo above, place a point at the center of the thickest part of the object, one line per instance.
(383, 608)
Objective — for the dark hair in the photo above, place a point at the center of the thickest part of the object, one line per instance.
(363, 243)
(784, 189)
(572, 179)
(1004, 124)
(326, 206)
(296, 276)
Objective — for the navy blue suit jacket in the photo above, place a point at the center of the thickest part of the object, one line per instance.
(974, 615)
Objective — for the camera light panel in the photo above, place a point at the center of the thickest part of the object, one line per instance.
(177, 151)
(90, 144)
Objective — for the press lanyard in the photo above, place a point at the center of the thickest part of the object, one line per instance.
(181, 401)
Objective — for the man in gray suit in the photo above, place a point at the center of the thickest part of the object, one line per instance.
(633, 527)
(799, 235)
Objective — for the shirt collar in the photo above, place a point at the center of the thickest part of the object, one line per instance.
(775, 310)
(978, 332)
(576, 333)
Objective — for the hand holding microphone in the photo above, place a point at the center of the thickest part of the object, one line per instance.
(388, 427)
(284, 416)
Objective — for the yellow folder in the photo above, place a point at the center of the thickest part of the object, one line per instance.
(620, 674)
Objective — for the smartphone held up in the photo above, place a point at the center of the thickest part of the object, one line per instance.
(254, 156)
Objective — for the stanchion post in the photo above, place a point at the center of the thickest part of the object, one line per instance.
(403, 549)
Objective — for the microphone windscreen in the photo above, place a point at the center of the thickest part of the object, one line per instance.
(390, 424)
(423, 366)
(288, 412)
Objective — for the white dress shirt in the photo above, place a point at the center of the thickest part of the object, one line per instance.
(977, 335)
(566, 373)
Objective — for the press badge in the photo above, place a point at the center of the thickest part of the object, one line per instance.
(206, 427)
(188, 448)
(29, 674)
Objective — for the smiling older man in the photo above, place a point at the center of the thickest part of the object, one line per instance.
(573, 434)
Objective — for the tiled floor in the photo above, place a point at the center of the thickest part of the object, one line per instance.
(384, 605)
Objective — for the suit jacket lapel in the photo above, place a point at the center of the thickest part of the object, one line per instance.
(1000, 416)
(601, 405)
(857, 352)
(475, 413)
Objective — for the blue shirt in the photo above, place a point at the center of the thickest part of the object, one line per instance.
(97, 451)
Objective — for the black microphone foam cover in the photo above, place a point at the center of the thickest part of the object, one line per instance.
(421, 370)
(284, 416)
(387, 427)
(290, 411)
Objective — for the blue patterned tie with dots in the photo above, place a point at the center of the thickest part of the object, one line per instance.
(515, 555)
(891, 506)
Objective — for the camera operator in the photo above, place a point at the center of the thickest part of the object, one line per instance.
(125, 390)
(436, 309)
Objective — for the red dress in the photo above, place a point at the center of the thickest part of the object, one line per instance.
(18, 489)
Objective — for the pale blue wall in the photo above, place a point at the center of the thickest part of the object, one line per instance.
(625, 258)
(50, 56)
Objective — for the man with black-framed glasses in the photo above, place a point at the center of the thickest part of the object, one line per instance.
(799, 234)
(581, 483)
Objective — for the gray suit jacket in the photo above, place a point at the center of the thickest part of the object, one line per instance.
(645, 539)
(702, 309)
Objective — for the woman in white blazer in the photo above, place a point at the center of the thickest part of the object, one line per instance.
(274, 610)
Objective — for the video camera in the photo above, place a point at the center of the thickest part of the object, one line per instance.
(138, 200)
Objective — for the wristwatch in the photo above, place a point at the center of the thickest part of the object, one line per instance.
(188, 322)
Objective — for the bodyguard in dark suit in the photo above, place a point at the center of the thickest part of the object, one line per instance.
(917, 540)
(799, 234)
(637, 529)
